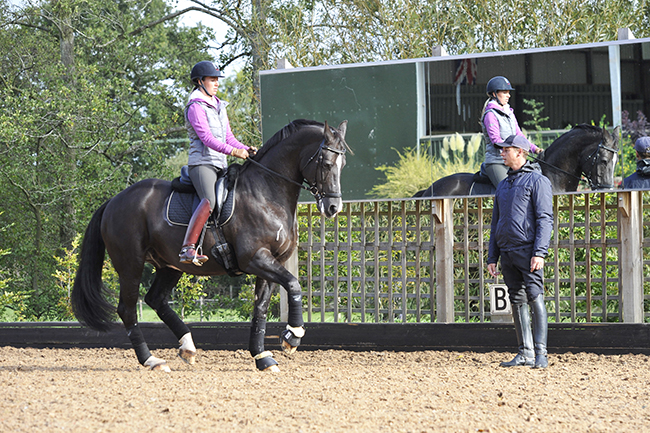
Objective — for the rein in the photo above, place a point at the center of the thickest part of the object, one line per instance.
(591, 158)
(312, 188)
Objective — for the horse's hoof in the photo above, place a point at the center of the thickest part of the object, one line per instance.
(264, 362)
(157, 364)
(272, 369)
(161, 367)
(291, 338)
(189, 356)
(288, 348)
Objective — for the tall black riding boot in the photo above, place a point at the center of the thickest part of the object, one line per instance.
(525, 357)
(188, 252)
(540, 331)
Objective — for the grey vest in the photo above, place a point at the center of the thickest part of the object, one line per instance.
(200, 154)
(507, 127)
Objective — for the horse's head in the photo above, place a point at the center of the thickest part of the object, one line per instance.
(599, 160)
(322, 169)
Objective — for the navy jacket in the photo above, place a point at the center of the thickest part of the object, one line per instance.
(523, 213)
(640, 179)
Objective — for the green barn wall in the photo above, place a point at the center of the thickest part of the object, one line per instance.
(379, 102)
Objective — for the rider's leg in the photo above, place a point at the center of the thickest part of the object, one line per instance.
(188, 252)
(204, 178)
(496, 172)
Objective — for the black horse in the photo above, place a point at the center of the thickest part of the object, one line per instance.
(584, 150)
(262, 232)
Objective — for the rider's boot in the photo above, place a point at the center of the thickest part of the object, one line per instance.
(525, 357)
(188, 252)
(540, 331)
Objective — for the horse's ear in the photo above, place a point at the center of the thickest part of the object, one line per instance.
(342, 128)
(328, 132)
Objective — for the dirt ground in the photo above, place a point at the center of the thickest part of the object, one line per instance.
(106, 390)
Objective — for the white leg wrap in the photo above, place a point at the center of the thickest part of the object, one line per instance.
(187, 343)
(152, 362)
(298, 332)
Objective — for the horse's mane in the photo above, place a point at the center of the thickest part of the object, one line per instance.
(285, 132)
(558, 144)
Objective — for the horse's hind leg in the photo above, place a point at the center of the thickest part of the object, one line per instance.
(127, 310)
(157, 298)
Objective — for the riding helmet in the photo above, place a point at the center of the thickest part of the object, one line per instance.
(498, 83)
(204, 69)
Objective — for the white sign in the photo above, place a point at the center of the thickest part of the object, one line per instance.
(499, 300)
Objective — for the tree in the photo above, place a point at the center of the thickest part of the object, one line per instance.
(88, 89)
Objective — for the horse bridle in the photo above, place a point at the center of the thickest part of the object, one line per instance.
(311, 187)
(591, 158)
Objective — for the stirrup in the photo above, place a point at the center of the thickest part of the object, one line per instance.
(189, 254)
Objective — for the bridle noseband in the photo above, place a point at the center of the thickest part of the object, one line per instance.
(312, 187)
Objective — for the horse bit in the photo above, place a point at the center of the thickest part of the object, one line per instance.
(312, 188)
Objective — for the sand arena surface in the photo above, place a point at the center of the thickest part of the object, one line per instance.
(106, 390)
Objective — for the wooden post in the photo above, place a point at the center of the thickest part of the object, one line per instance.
(442, 210)
(630, 222)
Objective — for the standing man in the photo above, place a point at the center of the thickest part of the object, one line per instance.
(640, 179)
(522, 222)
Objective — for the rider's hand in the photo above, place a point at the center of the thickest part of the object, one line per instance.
(239, 153)
(252, 150)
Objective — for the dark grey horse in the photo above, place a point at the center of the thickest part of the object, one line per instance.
(585, 150)
(262, 232)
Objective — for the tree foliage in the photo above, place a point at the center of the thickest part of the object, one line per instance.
(92, 92)
(85, 97)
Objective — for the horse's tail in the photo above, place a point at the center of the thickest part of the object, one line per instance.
(88, 295)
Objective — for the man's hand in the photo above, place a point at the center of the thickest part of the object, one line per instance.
(536, 263)
(492, 269)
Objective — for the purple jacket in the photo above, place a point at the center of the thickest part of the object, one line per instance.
(498, 124)
(208, 127)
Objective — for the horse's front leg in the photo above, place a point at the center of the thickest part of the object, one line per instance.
(292, 336)
(268, 269)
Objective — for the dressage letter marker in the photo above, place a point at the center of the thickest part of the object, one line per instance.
(499, 303)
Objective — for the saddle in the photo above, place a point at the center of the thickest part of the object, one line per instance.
(183, 200)
(481, 184)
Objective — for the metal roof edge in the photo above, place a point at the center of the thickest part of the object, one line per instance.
(457, 57)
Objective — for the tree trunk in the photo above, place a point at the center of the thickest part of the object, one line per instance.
(67, 227)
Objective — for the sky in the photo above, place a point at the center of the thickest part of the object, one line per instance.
(191, 18)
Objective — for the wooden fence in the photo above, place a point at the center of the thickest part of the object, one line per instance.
(424, 260)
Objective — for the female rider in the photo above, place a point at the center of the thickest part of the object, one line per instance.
(211, 140)
(498, 122)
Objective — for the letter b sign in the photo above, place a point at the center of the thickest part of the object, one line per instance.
(499, 300)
